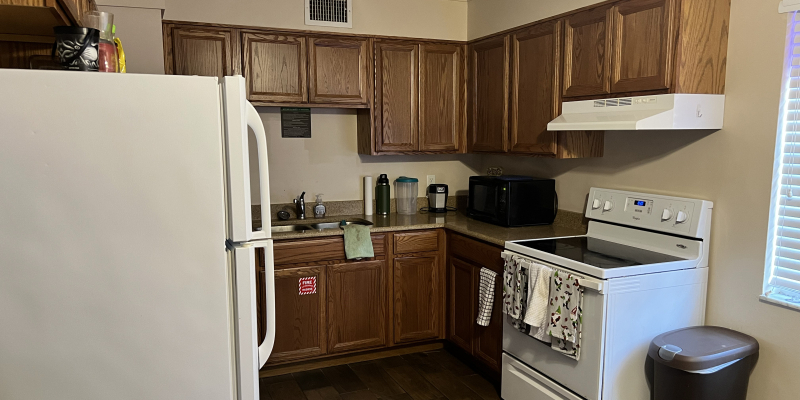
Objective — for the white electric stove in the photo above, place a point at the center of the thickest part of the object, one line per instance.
(644, 265)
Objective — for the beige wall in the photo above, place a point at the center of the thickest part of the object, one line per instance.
(438, 19)
(731, 167)
(329, 162)
(139, 29)
(491, 16)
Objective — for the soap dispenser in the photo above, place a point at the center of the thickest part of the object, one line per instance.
(319, 208)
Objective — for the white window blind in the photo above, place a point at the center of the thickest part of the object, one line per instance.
(782, 276)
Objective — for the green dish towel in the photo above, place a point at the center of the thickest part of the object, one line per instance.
(357, 242)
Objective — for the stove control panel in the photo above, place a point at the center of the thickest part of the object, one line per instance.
(677, 215)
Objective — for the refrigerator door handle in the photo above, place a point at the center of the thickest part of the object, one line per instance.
(265, 348)
(254, 122)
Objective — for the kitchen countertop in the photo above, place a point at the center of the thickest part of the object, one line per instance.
(567, 224)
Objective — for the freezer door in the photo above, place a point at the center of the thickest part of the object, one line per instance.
(251, 355)
(239, 116)
(114, 282)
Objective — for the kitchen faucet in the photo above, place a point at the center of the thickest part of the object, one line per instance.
(300, 203)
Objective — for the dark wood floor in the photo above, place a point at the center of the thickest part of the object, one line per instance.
(430, 375)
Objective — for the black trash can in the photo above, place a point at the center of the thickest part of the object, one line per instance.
(701, 363)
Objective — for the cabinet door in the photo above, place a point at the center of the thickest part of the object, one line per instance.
(587, 58)
(489, 64)
(462, 302)
(417, 308)
(275, 67)
(535, 94)
(338, 71)
(200, 51)
(440, 97)
(396, 106)
(356, 306)
(299, 318)
(643, 47)
(488, 341)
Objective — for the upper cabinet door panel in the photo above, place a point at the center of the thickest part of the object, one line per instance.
(396, 104)
(275, 67)
(440, 98)
(535, 94)
(643, 45)
(338, 71)
(202, 51)
(489, 63)
(587, 58)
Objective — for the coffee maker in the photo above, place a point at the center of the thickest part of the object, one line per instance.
(437, 198)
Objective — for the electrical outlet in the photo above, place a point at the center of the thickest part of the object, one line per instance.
(431, 179)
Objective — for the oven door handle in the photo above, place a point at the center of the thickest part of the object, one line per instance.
(588, 283)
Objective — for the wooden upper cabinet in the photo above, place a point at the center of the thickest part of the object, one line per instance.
(535, 94)
(356, 306)
(643, 45)
(299, 319)
(275, 67)
(338, 70)
(396, 104)
(417, 304)
(587, 48)
(202, 51)
(440, 97)
(489, 70)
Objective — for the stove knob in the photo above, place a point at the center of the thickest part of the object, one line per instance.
(666, 215)
(596, 204)
(681, 218)
(608, 206)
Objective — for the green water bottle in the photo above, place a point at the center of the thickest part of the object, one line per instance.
(382, 196)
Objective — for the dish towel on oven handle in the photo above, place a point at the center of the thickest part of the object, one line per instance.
(515, 289)
(566, 314)
(537, 314)
(486, 296)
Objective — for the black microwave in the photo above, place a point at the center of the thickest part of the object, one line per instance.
(512, 200)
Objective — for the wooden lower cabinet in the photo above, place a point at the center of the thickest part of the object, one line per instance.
(421, 287)
(467, 257)
(356, 306)
(417, 302)
(488, 340)
(461, 303)
(300, 319)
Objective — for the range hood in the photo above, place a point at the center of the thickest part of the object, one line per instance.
(659, 112)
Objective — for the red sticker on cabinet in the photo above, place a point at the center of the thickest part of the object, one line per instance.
(308, 285)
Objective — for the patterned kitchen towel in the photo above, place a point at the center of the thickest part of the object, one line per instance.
(566, 313)
(510, 293)
(515, 289)
(486, 296)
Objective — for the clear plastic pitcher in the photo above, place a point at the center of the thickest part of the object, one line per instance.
(406, 190)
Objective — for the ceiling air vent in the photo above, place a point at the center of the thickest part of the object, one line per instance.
(338, 13)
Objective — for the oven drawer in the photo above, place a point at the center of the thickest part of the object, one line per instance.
(523, 383)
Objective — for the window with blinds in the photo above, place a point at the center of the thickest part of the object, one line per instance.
(782, 277)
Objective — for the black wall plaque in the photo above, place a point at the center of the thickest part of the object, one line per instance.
(295, 122)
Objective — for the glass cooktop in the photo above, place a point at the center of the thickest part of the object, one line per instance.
(598, 253)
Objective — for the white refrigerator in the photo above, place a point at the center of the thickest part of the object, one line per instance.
(127, 253)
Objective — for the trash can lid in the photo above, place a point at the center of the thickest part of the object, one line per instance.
(701, 347)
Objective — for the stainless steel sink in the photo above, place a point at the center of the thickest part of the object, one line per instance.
(291, 228)
(317, 226)
(335, 225)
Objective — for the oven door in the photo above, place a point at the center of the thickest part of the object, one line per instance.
(582, 377)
